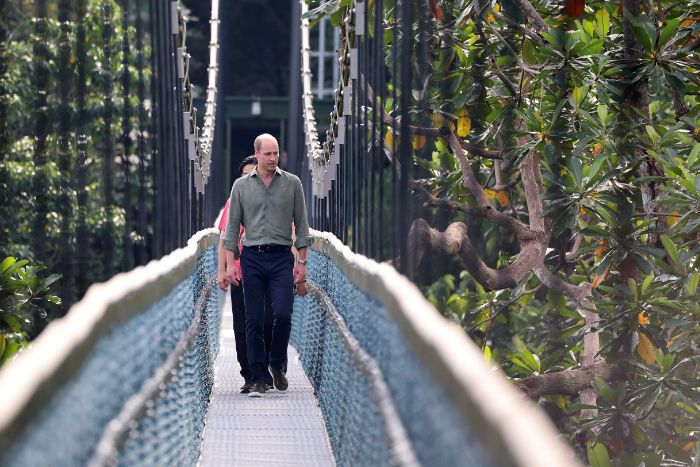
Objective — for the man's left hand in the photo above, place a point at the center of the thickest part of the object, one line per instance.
(300, 279)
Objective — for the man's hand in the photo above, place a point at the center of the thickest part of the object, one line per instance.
(300, 279)
(233, 274)
(222, 280)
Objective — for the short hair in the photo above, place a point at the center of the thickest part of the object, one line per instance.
(259, 140)
(247, 161)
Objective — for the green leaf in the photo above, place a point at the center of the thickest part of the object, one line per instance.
(46, 283)
(579, 94)
(575, 168)
(598, 455)
(672, 250)
(691, 286)
(633, 288)
(644, 30)
(603, 113)
(326, 8)
(602, 22)
(9, 261)
(554, 37)
(653, 135)
(647, 281)
(487, 353)
(637, 433)
(668, 31)
(11, 349)
(692, 157)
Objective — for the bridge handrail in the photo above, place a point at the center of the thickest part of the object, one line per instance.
(512, 429)
(28, 383)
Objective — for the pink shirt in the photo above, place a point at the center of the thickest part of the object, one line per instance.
(222, 227)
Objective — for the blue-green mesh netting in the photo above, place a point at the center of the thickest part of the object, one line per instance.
(439, 435)
(67, 430)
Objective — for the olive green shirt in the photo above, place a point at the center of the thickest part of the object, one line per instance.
(267, 213)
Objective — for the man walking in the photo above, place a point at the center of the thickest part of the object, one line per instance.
(267, 202)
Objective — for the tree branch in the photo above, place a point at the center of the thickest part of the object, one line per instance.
(532, 183)
(569, 382)
(477, 151)
(530, 11)
(525, 31)
(455, 241)
(470, 182)
(522, 65)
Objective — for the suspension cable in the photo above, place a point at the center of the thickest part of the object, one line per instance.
(206, 138)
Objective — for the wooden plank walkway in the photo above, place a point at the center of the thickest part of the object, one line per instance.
(280, 428)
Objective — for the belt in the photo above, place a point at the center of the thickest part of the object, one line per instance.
(268, 247)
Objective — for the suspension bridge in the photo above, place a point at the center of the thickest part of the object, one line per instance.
(141, 371)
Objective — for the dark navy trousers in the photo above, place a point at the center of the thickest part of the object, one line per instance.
(267, 269)
(239, 330)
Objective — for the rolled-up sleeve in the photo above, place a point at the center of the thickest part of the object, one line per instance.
(233, 222)
(301, 224)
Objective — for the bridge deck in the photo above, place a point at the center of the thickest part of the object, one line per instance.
(281, 428)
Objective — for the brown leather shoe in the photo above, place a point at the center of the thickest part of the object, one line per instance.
(257, 390)
(279, 379)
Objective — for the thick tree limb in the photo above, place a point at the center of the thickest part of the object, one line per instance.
(569, 382)
(525, 31)
(477, 151)
(532, 183)
(470, 182)
(530, 11)
(455, 241)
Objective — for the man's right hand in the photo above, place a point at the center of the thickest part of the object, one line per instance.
(233, 274)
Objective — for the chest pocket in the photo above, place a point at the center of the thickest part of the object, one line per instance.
(282, 198)
(253, 198)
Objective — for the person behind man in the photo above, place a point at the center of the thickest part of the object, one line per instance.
(237, 303)
(267, 202)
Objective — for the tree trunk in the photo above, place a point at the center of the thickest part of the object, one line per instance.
(82, 244)
(142, 255)
(108, 147)
(65, 203)
(127, 145)
(638, 109)
(40, 184)
(4, 133)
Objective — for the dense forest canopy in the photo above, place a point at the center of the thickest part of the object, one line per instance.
(75, 161)
(560, 140)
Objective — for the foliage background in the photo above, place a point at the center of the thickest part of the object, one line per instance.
(67, 169)
(590, 286)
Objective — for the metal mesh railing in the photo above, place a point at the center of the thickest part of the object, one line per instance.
(397, 384)
(125, 378)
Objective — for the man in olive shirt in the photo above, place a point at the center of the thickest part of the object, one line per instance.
(266, 202)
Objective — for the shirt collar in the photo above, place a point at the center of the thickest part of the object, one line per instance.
(254, 173)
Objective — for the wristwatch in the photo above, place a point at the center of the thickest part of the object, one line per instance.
(301, 261)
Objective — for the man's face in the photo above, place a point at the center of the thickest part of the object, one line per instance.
(268, 155)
